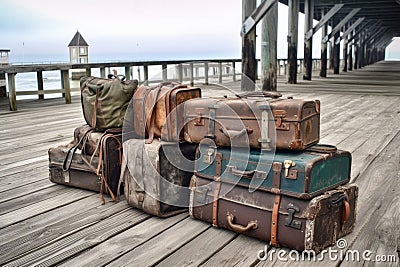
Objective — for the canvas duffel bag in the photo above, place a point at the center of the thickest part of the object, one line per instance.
(104, 101)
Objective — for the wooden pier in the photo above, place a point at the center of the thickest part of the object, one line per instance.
(42, 223)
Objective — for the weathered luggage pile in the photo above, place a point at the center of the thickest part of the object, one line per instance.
(216, 157)
(297, 196)
(93, 159)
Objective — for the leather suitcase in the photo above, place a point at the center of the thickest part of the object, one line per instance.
(251, 120)
(301, 174)
(156, 176)
(284, 221)
(100, 171)
(156, 106)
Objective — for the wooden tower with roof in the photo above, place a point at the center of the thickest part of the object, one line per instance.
(78, 49)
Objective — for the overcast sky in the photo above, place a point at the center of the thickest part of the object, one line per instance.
(40, 30)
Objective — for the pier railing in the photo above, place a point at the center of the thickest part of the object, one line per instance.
(206, 71)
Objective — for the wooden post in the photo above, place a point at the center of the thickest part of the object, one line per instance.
(164, 72)
(356, 54)
(206, 73)
(191, 74)
(180, 72)
(39, 78)
(128, 72)
(269, 49)
(12, 97)
(324, 49)
(219, 72)
(249, 64)
(88, 72)
(66, 86)
(293, 31)
(102, 72)
(308, 25)
(360, 50)
(336, 51)
(234, 71)
(350, 63)
(345, 52)
(146, 74)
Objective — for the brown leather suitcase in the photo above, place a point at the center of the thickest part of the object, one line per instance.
(156, 176)
(99, 170)
(156, 106)
(283, 220)
(250, 121)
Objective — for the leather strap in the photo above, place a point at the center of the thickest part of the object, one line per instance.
(218, 169)
(274, 221)
(153, 115)
(71, 152)
(94, 118)
(276, 181)
(215, 202)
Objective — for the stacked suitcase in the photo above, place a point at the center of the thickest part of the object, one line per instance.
(297, 196)
(92, 160)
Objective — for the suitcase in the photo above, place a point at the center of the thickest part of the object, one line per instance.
(284, 221)
(100, 171)
(156, 176)
(251, 120)
(160, 105)
(301, 174)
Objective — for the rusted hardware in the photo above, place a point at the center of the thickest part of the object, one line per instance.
(287, 165)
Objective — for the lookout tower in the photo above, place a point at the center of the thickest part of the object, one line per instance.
(4, 56)
(78, 49)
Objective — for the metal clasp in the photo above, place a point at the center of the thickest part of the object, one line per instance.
(287, 164)
(290, 222)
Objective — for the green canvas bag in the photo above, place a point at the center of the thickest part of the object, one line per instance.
(104, 101)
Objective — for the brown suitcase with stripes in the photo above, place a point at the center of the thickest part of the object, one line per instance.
(282, 220)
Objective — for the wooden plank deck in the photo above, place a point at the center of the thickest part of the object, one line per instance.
(46, 224)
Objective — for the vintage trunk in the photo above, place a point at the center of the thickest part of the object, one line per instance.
(285, 221)
(302, 174)
(154, 107)
(75, 168)
(156, 176)
(252, 120)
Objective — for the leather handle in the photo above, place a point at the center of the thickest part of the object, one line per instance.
(239, 228)
(270, 94)
(342, 200)
(346, 211)
(240, 173)
(234, 133)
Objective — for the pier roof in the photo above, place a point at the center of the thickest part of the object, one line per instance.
(78, 40)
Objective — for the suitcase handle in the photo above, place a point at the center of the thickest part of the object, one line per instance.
(254, 174)
(239, 228)
(234, 133)
(260, 93)
(346, 206)
(322, 148)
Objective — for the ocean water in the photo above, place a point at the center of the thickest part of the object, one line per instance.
(52, 79)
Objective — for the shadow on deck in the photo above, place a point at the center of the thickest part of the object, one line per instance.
(47, 224)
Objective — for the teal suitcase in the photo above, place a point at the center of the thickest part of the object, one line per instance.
(301, 174)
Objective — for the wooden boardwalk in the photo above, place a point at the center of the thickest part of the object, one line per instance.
(46, 224)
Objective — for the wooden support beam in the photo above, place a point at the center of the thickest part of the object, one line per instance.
(308, 23)
(164, 72)
(88, 72)
(252, 15)
(39, 78)
(66, 85)
(180, 73)
(128, 72)
(345, 51)
(249, 63)
(234, 71)
(102, 72)
(324, 51)
(220, 72)
(337, 28)
(349, 30)
(293, 31)
(350, 63)
(206, 73)
(146, 74)
(336, 54)
(191, 74)
(324, 19)
(269, 49)
(12, 96)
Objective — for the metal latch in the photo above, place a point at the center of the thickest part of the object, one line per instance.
(287, 164)
(208, 158)
(290, 222)
(201, 196)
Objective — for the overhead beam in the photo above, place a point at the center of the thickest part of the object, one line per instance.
(340, 24)
(323, 20)
(358, 31)
(256, 16)
(349, 30)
